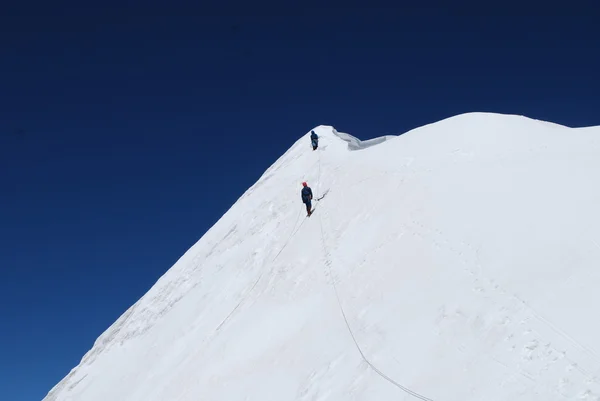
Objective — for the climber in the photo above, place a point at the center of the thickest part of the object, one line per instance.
(314, 138)
(307, 198)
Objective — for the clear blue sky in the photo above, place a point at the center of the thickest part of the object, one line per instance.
(126, 133)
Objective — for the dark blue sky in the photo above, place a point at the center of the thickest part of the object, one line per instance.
(126, 133)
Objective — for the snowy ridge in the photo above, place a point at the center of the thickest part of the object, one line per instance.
(457, 261)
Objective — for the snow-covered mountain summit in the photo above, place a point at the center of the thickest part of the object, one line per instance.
(459, 261)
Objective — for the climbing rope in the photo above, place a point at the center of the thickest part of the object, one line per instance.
(294, 231)
(243, 298)
(285, 244)
(339, 302)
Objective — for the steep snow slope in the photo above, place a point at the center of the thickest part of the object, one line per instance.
(459, 261)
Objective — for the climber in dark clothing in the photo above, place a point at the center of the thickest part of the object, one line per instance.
(314, 139)
(307, 198)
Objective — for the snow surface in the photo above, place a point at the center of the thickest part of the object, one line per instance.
(459, 261)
